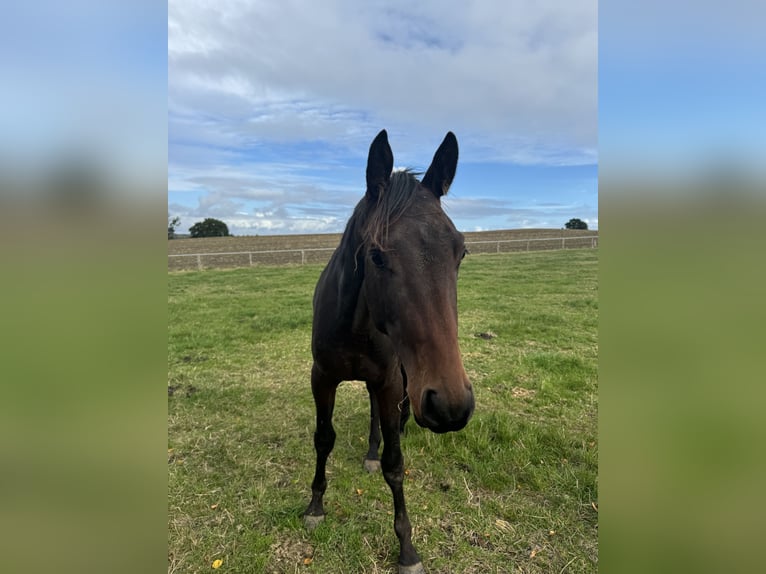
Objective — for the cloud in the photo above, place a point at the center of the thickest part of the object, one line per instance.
(472, 213)
(518, 69)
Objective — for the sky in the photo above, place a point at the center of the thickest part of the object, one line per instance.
(272, 107)
(681, 89)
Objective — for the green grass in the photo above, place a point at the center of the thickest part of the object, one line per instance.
(516, 491)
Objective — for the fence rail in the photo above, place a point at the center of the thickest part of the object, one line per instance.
(185, 261)
(581, 241)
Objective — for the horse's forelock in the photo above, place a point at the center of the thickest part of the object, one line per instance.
(391, 204)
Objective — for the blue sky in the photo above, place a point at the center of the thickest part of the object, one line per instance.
(272, 107)
(681, 89)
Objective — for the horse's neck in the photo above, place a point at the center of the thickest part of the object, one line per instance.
(347, 272)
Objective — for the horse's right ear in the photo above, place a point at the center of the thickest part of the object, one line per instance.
(380, 162)
(441, 172)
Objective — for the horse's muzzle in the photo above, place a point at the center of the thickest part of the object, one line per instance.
(440, 415)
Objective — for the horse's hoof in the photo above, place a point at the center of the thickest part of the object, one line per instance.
(371, 465)
(414, 569)
(312, 522)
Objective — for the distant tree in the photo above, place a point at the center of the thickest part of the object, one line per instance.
(172, 224)
(575, 223)
(209, 228)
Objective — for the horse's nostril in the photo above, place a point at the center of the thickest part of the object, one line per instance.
(430, 410)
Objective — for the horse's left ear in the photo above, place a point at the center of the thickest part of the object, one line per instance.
(440, 174)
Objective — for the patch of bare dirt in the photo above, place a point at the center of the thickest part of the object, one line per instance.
(289, 553)
(522, 393)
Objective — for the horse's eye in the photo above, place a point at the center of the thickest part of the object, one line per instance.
(465, 252)
(377, 258)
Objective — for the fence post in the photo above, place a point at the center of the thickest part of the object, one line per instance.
(251, 258)
(562, 241)
(303, 257)
(498, 247)
(199, 262)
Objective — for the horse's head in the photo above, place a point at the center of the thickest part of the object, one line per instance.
(411, 260)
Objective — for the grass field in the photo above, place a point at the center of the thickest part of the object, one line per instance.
(516, 491)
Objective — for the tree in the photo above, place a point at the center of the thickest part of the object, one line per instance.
(575, 223)
(172, 224)
(209, 228)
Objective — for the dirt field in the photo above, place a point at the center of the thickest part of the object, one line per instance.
(244, 251)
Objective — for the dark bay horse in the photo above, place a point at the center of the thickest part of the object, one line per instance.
(385, 312)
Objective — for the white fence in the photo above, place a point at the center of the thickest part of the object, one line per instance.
(185, 261)
(533, 244)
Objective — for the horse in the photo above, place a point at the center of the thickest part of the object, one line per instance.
(385, 312)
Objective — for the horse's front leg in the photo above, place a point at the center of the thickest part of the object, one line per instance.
(371, 461)
(404, 409)
(392, 462)
(323, 389)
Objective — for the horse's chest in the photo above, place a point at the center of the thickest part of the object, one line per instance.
(356, 357)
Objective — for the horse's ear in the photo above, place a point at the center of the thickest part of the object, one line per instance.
(440, 174)
(380, 162)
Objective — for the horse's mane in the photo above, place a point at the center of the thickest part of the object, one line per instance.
(392, 202)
